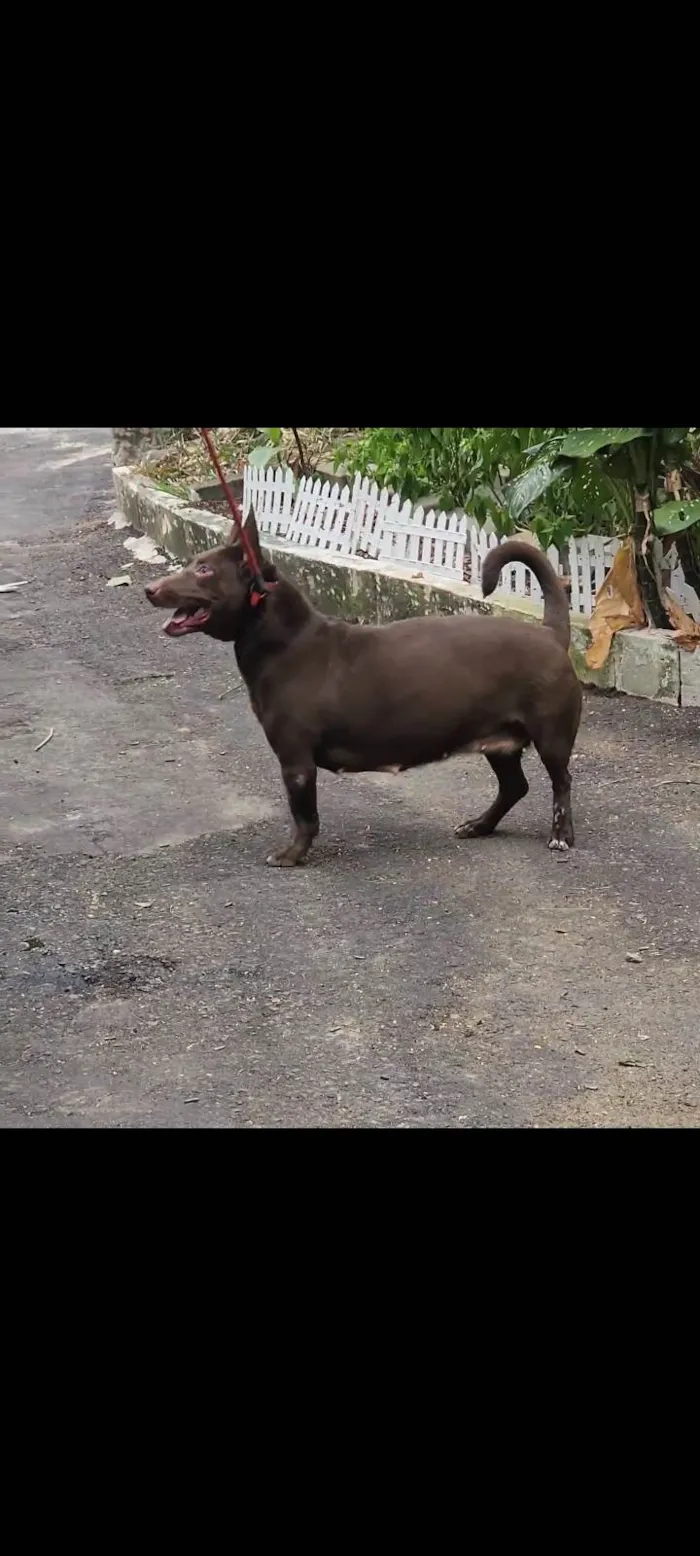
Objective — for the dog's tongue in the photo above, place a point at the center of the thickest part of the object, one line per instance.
(183, 621)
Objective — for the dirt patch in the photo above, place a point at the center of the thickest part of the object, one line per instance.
(119, 975)
(185, 463)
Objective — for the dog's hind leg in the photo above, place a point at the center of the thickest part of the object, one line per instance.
(562, 835)
(300, 783)
(512, 786)
(555, 755)
(554, 740)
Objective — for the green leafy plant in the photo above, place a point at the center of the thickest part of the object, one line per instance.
(447, 463)
(267, 448)
(558, 481)
(410, 460)
(632, 465)
(675, 518)
(271, 449)
(477, 468)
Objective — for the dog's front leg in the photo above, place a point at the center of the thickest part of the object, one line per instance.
(300, 783)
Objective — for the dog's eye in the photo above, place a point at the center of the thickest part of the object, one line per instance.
(203, 570)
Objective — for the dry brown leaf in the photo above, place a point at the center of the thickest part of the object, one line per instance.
(687, 631)
(618, 604)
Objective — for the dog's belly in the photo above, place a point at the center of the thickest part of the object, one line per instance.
(366, 768)
(351, 759)
(397, 756)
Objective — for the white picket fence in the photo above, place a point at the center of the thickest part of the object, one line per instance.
(344, 520)
(272, 494)
(362, 521)
(682, 590)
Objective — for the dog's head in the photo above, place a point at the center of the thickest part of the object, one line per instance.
(212, 593)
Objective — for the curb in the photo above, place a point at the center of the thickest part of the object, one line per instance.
(643, 663)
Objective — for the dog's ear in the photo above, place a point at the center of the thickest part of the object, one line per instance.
(252, 535)
(251, 530)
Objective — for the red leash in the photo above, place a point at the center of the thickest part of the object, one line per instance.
(260, 588)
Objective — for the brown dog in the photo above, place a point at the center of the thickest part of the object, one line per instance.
(382, 699)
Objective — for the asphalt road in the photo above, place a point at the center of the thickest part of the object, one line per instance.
(154, 973)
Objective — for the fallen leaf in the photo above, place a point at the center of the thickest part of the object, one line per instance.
(9, 588)
(618, 604)
(116, 583)
(687, 631)
(633, 956)
(143, 904)
(143, 549)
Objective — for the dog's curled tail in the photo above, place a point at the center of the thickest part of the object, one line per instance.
(556, 604)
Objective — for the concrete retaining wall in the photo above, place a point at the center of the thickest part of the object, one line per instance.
(642, 664)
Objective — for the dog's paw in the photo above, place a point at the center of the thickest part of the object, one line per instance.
(473, 829)
(286, 859)
(558, 846)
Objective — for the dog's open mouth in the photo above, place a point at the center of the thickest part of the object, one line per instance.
(183, 621)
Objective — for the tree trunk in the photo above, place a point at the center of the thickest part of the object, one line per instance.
(644, 552)
(130, 444)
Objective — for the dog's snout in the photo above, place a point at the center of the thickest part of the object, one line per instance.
(152, 592)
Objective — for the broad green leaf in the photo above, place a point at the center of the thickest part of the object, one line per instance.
(622, 497)
(531, 484)
(673, 435)
(262, 455)
(581, 442)
(675, 517)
